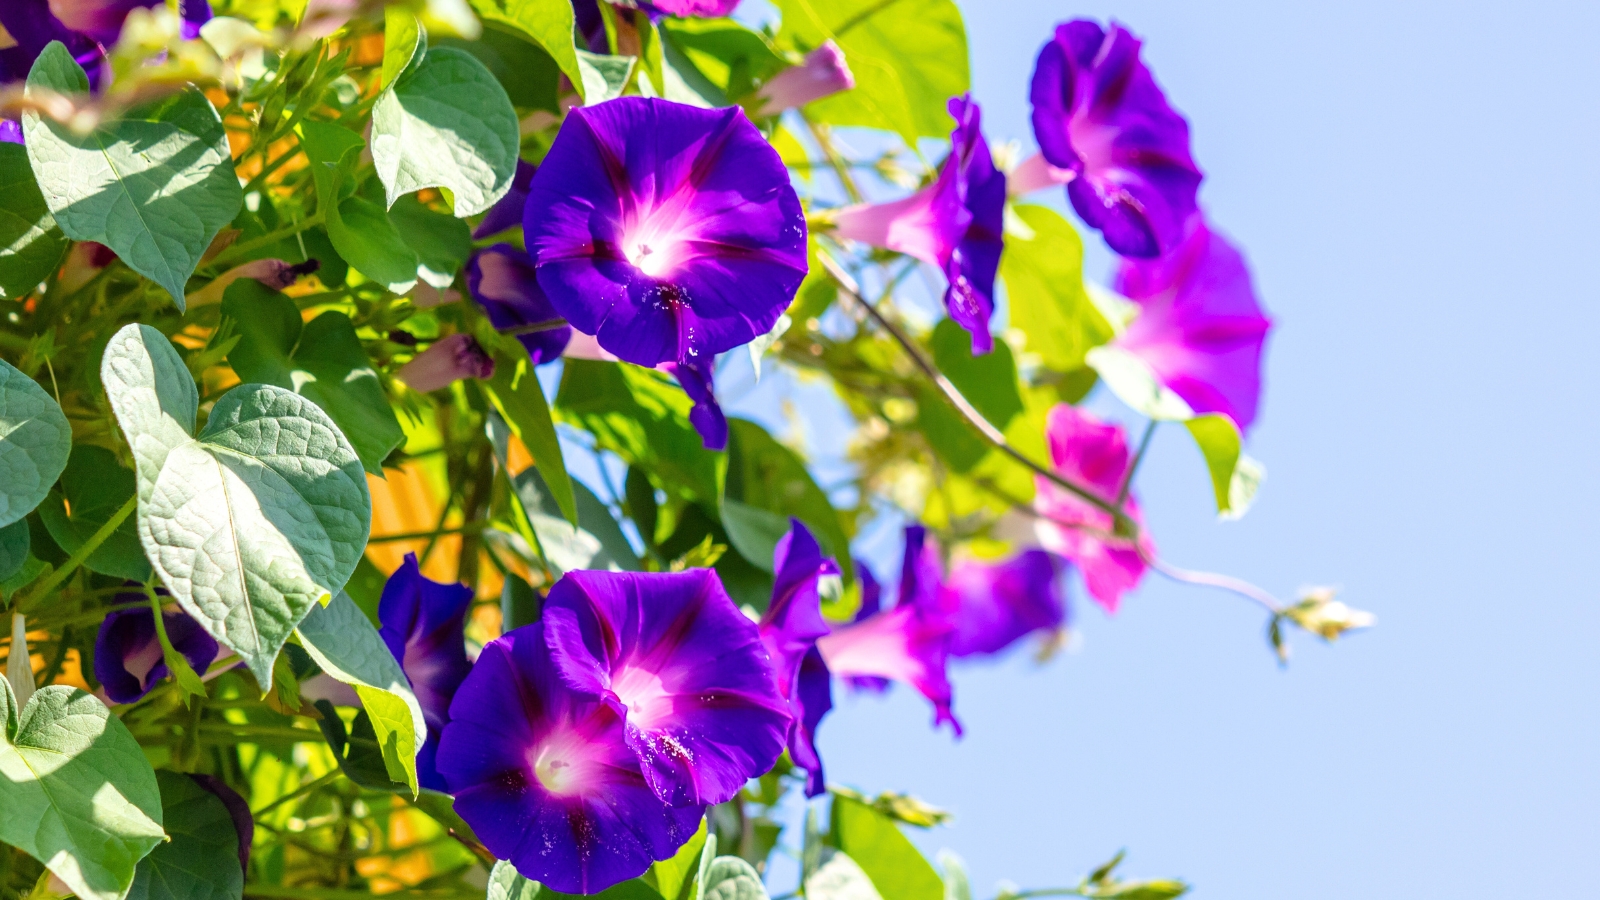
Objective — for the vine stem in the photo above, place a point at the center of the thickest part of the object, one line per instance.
(76, 559)
(848, 286)
(267, 240)
(1211, 579)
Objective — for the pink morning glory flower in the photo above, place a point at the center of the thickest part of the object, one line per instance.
(683, 667)
(1095, 454)
(450, 359)
(546, 777)
(823, 73)
(955, 223)
(998, 604)
(703, 8)
(423, 622)
(1098, 113)
(128, 660)
(790, 629)
(909, 643)
(668, 232)
(1199, 328)
(502, 279)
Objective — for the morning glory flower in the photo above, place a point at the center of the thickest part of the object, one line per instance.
(998, 604)
(1199, 328)
(502, 279)
(1099, 114)
(32, 25)
(546, 777)
(695, 377)
(507, 211)
(244, 823)
(955, 223)
(128, 661)
(1094, 454)
(423, 621)
(703, 8)
(790, 628)
(822, 73)
(683, 666)
(667, 231)
(909, 643)
(450, 359)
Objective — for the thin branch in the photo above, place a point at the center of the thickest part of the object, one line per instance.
(1138, 457)
(76, 559)
(1212, 579)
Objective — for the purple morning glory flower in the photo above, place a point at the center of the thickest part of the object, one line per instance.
(909, 643)
(450, 359)
(871, 604)
(507, 211)
(683, 666)
(1094, 454)
(1099, 114)
(955, 223)
(790, 628)
(998, 604)
(1199, 327)
(703, 8)
(195, 13)
(33, 24)
(695, 377)
(501, 278)
(423, 623)
(823, 73)
(666, 231)
(127, 652)
(546, 777)
(10, 131)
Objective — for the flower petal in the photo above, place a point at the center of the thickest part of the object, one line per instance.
(423, 622)
(503, 281)
(998, 604)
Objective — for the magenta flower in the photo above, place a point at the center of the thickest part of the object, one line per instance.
(1199, 328)
(823, 73)
(1099, 114)
(686, 670)
(704, 8)
(999, 604)
(954, 223)
(1094, 454)
(423, 622)
(128, 659)
(546, 777)
(502, 279)
(790, 628)
(695, 377)
(909, 643)
(33, 24)
(667, 231)
(450, 359)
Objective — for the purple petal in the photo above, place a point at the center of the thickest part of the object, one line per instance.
(195, 13)
(423, 621)
(672, 650)
(100, 20)
(664, 230)
(545, 777)
(10, 131)
(507, 211)
(590, 26)
(706, 415)
(1097, 112)
(128, 660)
(1000, 604)
(503, 281)
(871, 604)
(707, 8)
(450, 359)
(244, 824)
(33, 24)
(1199, 327)
(790, 628)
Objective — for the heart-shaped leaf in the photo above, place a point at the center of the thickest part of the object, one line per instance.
(155, 186)
(447, 123)
(262, 515)
(201, 862)
(358, 228)
(31, 245)
(14, 542)
(345, 645)
(94, 488)
(731, 878)
(35, 441)
(77, 792)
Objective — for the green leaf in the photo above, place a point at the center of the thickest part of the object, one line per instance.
(506, 884)
(956, 884)
(1042, 269)
(405, 42)
(909, 57)
(675, 874)
(155, 186)
(347, 647)
(78, 793)
(643, 418)
(250, 523)
(201, 861)
(13, 548)
(753, 531)
(519, 603)
(718, 60)
(357, 751)
(989, 382)
(441, 242)
(523, 68)
(840, 878)
(604, 76)
(92, 489)
(322, 359)
(359, 229)
(1135, 384)
(873, 840)
(731, 878)
(31, 244)
(764, 475)
(35, 441)
(517, 396)
(549, 23)
(446, 123)
(642, 506)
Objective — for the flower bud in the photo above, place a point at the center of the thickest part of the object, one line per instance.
(450, 359)
(823, 73)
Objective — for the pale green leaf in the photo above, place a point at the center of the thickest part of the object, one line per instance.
(155, 186)
(731, 878)
(201, 862)
(1135, 383)
(446, 123)
(31, 244)
(35, 441)
(346, 646)
(840, 878)
(876, 844)
(549, 23)
(77, 792)
(506, 884)
(250, 523)
(675, 874)
(604, 76)
(404, 41)
(1042, 269)
(515, 392)
(956, 884)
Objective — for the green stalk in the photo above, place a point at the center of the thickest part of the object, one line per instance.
(84, 552)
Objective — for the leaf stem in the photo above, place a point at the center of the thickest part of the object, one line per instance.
(470, 527)
(841, 168)
(1212, 579)
(536, 327)
(84, 552)
(270, 238)
(300, 791)
(1138, 457)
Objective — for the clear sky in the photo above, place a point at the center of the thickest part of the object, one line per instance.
(1416, 186)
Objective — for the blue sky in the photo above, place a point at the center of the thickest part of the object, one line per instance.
(1415, 185)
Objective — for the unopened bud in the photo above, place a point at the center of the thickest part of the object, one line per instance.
(823, 73)
(450, 359)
